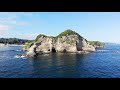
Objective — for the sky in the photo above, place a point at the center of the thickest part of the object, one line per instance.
(94, 26)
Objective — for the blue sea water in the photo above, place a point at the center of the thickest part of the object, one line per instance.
(104, 63)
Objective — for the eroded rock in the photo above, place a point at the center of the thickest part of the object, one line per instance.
(71, 42)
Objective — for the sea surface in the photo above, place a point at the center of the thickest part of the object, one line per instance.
(104, 63)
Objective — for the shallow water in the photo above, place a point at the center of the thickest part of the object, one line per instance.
(104, 63)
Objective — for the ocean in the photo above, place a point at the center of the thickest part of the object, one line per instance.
(104, 63)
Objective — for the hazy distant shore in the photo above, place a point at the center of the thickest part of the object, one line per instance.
(1, 45)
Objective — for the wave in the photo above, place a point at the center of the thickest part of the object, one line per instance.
(18, 56)
(11, 50)
(18, 50)
(103, 50)
(117, 52)
(114, 51)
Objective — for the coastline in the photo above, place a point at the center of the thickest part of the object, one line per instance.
(2, 45)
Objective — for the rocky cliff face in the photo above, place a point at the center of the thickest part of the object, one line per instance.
(68, 42)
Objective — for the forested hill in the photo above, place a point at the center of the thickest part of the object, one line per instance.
(13, 41)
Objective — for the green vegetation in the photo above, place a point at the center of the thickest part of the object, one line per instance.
(96, 43)
(40, 36)
(67, 32)
(29, 44)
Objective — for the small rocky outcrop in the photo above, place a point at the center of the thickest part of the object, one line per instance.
(67, 41)
(97, 44)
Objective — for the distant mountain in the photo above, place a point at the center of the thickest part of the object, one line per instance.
(110, 43)
(13, 41)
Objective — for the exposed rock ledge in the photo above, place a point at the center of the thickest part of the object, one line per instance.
(67, 41)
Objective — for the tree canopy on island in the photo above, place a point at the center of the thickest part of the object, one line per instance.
(96, 43)
(67, 32)
(29, 44)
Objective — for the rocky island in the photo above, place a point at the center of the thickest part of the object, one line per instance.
(66, 42)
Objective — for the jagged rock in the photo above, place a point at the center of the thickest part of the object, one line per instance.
(89, 48)
(44, 44)
(32, 51)
(64, 42)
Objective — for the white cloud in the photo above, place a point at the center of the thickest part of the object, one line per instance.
(30, 36)
(22, 23)
(12, 18)
(13, 21)
(4, 29)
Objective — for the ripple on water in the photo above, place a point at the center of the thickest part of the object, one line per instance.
(104, 63)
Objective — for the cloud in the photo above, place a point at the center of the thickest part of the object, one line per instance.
(22, 23)
(4, 29)
(12, 19)
(30, 36)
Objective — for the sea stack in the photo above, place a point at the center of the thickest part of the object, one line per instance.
(68, 41)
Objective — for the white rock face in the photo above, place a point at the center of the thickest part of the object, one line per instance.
(44, 44)
(66, 44)
(31, 51)
(87, 47)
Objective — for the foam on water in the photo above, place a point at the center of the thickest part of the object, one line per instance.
(17, 56)
(103, 50)
(104, 63)
(18, 50)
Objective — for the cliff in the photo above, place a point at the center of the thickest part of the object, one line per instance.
(67, 41)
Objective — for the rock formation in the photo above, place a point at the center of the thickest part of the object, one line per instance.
(67, 41)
